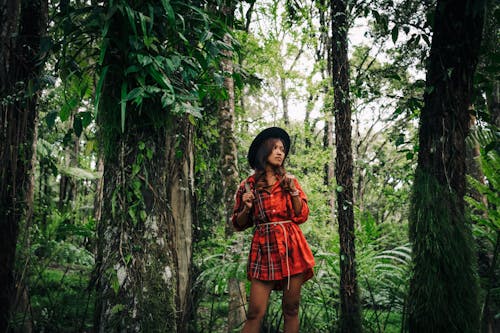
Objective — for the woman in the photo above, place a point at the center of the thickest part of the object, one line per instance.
(273, 202)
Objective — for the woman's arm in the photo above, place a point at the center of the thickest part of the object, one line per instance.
(242, 218)
(298, 200)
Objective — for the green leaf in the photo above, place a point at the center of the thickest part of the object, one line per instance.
(123, 104)
(192, 120)
(100, 83)
(169, 11)
(135, 169)
(50, 119)
(144, 60)
(149, 154)
(132, 69)
(77, 126)
(142, 19)
(118, 307)
(67, 108)
(102, 54)
(400, 139)
(161, 79)
(131, 18)
(86, 118)
(134, 93)
(394, 34)
(116, 286)
(131, 213)
(167, 99)
(79, 173)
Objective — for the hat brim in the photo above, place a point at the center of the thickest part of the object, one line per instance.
(271, 132)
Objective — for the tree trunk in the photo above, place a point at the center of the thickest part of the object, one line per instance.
(99, 189)
(67, 184)
(323, 56)
(284, 101)
(443, 289)
(180, 195)
(145, 232)
(350, 310)
(23, 25)
(229, 167)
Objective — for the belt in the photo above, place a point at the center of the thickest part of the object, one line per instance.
(280, 223)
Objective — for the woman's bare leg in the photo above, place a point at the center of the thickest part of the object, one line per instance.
(290, 303)
(259, 296)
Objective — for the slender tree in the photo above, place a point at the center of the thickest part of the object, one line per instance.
(350, 310)
(24, 23)
(229, 165)
(443, 290)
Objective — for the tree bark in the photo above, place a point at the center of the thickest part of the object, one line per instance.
(284, 101)
(350, 310)
(443, 289)
(23, 25)
(229, 168)
(67, 184)
(323, 56)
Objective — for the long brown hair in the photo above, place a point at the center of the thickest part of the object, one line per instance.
(265, 149)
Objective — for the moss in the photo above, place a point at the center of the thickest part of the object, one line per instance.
(159, 302)
(443, 289)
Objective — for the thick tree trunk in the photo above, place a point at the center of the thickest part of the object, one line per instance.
(145, 232)
(350, 310)
(180, 195)
(138, 275)
(443, 289)
(23, 25)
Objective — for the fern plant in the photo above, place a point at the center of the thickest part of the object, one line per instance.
(485, 213)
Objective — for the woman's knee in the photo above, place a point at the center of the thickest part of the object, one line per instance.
(291, 309)
(256, 312)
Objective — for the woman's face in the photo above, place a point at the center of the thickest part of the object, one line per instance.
(277, 155)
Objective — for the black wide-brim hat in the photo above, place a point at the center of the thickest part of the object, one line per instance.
(271, 132)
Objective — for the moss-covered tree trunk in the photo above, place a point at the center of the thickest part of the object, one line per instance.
(350, 309)
(144, 234)
(443, 290)
(23, 25)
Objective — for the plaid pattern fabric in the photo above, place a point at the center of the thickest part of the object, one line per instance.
(268, 258)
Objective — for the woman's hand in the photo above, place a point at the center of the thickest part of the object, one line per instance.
(294, 193)
(289, 183)
(248, 198)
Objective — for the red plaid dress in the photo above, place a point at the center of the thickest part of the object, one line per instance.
(269, 259)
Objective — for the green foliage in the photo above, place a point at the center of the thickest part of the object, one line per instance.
(485, 213)
(58, 274)
(61, 300)
(165, 64)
